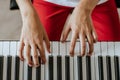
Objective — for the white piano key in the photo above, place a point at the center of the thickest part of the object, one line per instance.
(56, 51)
(13, 48)
(117, 52)
(93, 65)
(13, 68)
(33, 73)
(17, 45)
(84, 68)
(5, 68)
(51, 47)
(25, 70)
(92, 68)
(71, 68)
(117, 48)
(1, 47)
(21, 75)
(77, 49)
(97, 53)
(104, 50)
(12, 51)
(67, 48)
(6, 47)
(63, 67)
(111, 52)
(77, 53)
(42, 72)
(112, 67)
(55, 67)
(104, 68)
(62, 48)
(75, 68)
(55, 47)
(119, 66)
(111, 47)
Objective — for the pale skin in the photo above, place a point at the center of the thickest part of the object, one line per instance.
(33, 34)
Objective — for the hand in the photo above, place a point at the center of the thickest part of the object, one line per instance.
(31, 41)
(80, 24)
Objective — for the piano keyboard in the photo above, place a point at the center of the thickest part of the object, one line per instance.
(104, 64)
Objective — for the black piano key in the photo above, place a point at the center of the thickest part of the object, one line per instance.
(108, 65)
(51, 72)
(79, 61)
(38, 71)
(67, 68)
(9, 65)
(17, 67)
(59, 68)
(116, 66)
(100, 67)
(88, 67)
(1, 67)
(29, 72)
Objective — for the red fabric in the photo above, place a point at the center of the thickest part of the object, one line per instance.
(105, 19)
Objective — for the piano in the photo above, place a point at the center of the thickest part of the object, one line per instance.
(104, 64)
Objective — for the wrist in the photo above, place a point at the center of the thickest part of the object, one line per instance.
(87, 5)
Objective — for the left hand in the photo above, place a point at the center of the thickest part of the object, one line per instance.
(80, 24)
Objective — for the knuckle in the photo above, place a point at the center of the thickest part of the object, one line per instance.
(83, 46)
(35, 56)
(76, 31)
(39, 41)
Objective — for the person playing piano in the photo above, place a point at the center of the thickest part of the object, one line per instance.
(43, 21)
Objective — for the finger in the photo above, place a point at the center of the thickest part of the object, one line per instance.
(73, 42)
(90, 42)
(83, 43)
(66, 30)
(28, 56)
(47, 42)
(42, 52)
(94, 35)
(20, 52)
(35, 55)
(65, 33)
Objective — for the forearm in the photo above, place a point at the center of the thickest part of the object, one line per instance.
(26, 8)
(87, 5)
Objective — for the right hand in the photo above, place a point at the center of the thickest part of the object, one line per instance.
(31, 41)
